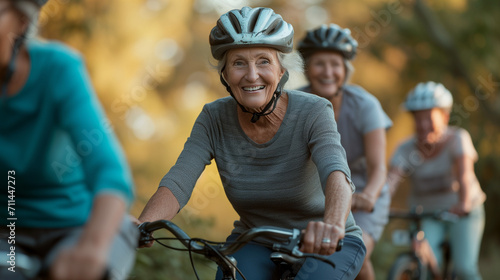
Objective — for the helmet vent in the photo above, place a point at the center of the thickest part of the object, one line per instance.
(235, 22)
(331, 38)
(252, 21)
(273, 27)
(250, 27)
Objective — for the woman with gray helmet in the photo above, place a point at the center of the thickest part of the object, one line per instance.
(277, 152)
(439, 161)
(362, 123)
(69, 183)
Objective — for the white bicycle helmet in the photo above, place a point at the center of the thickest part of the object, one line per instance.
(428, 95)
(329, 37)
(250, 27)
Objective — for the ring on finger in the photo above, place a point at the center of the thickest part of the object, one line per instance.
(326, 240)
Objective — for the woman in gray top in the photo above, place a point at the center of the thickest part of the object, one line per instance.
(439, 161)
(362, 123)
(278, 152)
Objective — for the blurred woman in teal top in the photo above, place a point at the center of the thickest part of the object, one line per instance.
(70, 183)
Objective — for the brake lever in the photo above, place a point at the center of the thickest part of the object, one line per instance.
(298, 254)
(292, 248)
(340, 243)
(145, 236)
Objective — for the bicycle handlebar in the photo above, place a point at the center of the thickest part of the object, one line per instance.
(441, 215)
(290, 247)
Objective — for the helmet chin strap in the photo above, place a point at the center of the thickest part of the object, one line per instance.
(12, 64)
(339, 91)
(273, 102)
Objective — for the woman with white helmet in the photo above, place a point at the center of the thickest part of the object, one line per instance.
(362, 123)
(278, 152)
(69, 183)
(439, 161)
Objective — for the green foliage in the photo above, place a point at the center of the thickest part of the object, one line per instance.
(487, 170)
(159, 263)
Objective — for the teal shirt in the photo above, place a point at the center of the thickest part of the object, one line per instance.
(55, 139)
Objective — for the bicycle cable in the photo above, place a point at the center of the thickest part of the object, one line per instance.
(192, 261)
(207, 243)
(223, 257)
(189, 249)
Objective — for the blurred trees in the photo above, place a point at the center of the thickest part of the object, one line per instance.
(151, 67)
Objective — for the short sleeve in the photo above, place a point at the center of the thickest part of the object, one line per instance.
(373, 116)
(462, 145)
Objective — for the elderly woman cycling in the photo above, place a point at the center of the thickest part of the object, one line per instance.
(278, 152)
(328, 51)
(72, 183)
(439, 161)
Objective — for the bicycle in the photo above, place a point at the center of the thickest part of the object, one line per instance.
(27, 266)
(420, 262)
(285, 255)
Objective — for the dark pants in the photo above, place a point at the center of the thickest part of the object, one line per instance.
(255, 264)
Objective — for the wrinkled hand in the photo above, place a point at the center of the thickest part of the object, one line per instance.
(316, 233)
(81, 262)
(362, 202)
(148, 244)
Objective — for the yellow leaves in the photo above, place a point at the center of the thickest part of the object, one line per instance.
(395, 57)
(375, 74)
(75, 13)
(456, 5)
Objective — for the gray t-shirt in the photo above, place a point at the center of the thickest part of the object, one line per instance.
(433, 180)
(278, 183)
(360, 114)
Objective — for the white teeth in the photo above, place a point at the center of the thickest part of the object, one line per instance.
(253, 88)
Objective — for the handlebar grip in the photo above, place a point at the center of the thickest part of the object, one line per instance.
(340, 243)
(145, 237)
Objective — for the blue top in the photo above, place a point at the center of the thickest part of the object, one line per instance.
(57, 144)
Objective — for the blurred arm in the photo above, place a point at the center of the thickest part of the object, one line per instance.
(375, 143)
(394, 178)
(464, 166)
(88, 258)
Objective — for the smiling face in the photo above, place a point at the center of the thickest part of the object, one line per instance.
(430, 125)
(326, 73)
(253, 75)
